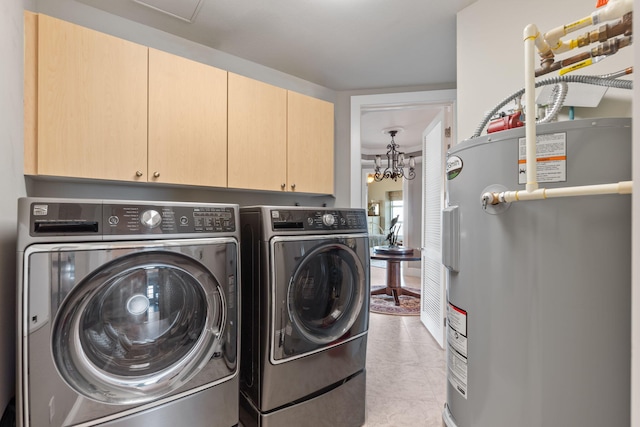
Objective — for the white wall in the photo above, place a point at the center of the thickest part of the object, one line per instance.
(490, 50)
(635, 249)
(11, 183)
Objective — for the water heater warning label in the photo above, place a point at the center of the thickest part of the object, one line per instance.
(457, 358)
(551, 153)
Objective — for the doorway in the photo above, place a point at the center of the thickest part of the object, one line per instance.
(440, 106)
(392, 103)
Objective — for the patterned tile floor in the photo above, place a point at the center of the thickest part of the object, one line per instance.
(406, 377)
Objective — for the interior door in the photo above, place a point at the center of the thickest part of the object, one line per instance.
(433, 290)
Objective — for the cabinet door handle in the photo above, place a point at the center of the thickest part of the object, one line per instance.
(283, 185)
(138, 173)
(293, 186)
(156, 174)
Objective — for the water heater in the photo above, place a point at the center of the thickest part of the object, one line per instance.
(539, 310)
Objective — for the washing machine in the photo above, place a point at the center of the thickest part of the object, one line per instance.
(305, 316)
(128, 313)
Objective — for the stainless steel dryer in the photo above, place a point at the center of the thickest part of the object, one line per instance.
(128, 313)
(305, 316)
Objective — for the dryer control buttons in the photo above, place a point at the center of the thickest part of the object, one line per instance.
(150, 218)
(328, 220)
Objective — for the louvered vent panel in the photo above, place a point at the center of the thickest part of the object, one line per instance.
(433, 194)
(433, 295)
(431, 300)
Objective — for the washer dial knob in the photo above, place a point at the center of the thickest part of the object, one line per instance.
(151, 218)
(328, 220)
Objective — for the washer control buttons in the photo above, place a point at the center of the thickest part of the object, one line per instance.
(150, 218)
(114, 220)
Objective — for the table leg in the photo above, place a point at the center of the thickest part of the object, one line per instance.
(394, 279)
(394, 283)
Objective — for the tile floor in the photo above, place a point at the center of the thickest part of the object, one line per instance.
(406, 376)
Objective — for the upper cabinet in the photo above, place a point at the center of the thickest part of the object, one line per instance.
(309, 144)
(100, 107)
(279, 139)
(91, 113)
(257, 135)
(187, 121)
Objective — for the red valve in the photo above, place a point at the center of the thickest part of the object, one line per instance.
(505, 122)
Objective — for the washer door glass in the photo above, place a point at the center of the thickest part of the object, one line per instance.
(326, 292)
(138, 328)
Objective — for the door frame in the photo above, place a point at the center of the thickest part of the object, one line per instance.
(442, 98)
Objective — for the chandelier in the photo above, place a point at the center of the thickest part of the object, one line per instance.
(395, 162)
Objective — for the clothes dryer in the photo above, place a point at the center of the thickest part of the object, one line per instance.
(305, 316)
(128, 313)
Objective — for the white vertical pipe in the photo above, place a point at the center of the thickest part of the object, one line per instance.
(530, 34)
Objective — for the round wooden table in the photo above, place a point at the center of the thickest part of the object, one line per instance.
(394, 276)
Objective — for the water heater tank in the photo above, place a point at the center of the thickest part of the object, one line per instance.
(539, 311)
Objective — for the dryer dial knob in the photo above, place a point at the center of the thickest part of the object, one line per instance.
(328, 220)
(151, 218)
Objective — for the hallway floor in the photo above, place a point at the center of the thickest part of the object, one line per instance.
(406, 369)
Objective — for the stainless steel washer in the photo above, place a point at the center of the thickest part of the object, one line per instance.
(305, 316)
(128, 313)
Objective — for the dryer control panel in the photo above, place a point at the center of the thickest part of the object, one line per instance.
(318, 220)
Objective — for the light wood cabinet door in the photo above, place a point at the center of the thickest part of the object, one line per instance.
(187, 121)
(92, 103)
(257, 134)
(310, 146)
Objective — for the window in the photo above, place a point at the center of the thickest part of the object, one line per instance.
(396, 208)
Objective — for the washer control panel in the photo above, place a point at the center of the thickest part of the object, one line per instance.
(75, 217)
(317, 220)
(148, 219)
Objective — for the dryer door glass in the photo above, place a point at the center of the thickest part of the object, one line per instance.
(326, 292)
(139, 327)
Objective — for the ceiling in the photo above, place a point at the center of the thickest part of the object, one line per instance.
(410, 120)
(338, 44)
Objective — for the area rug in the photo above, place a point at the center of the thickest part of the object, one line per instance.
(385, 304)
